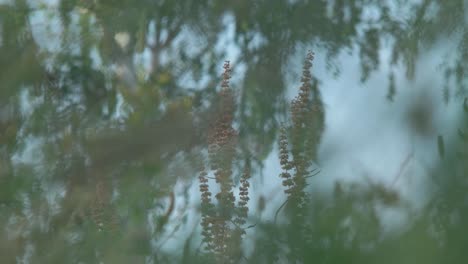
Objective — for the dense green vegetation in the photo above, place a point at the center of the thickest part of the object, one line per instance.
(105, 105)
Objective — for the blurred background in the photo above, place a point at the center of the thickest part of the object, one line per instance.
(105, 106)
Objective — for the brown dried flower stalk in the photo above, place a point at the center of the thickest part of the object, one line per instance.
(206, 208)
(298, 145)
(286, 164)
(220, 236)
(101, 209)
(301, 138)
(243, 196)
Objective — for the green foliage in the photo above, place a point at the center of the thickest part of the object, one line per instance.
(90, 131)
